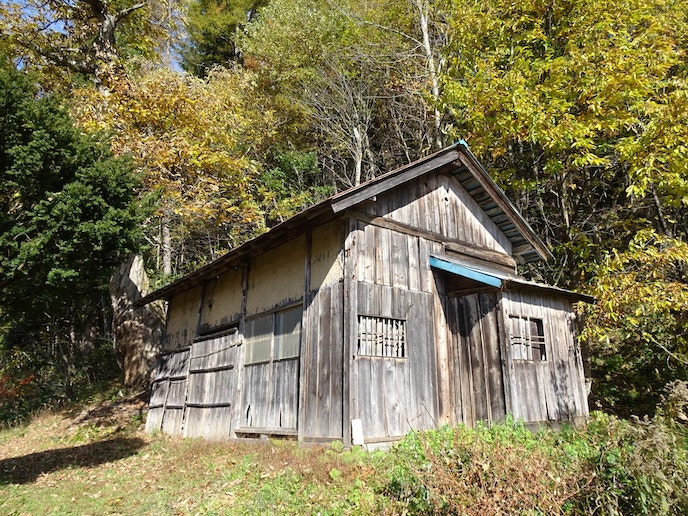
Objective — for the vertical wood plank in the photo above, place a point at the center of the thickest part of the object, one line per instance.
(349, 314)
(335, 408)
(441, 348)
(493, 357)
(303, 385)
(324, 373)
(400, 260)
(467, 388)
(503, 337)
(414, 274)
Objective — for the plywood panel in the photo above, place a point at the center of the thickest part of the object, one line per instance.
(182, 318)
(222, 299)
(277, 277)
(327, 258)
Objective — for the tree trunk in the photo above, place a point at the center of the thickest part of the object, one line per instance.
(166, 246)
(358, 156)
(137, 331)
(433, 72)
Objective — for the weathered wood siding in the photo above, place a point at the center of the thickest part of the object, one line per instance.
(386, 257)
(194, 389)
(475, 361)
(168, 393)
(322, 359)
(388, 276)
(270, 390)
(453, 372)
(553, 389)
(438, 203)
(182, 318)
(446, 355)
(394, 395)
(222, 300)
(322, 410)
(211, 387)
(270, 397)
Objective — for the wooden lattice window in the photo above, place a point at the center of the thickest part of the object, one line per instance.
(527, 339)
(381, 337)
(273, 336)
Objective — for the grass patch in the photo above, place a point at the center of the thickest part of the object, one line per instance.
(65, 463)
(96, 459)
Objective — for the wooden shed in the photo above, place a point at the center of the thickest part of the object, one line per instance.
(392, 306)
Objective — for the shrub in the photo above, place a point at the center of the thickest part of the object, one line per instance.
(487, 470)
(611, 467)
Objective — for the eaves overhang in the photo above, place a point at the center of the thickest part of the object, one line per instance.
(456, 159)
(501, 281)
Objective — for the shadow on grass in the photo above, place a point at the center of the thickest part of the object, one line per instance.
(27, 468)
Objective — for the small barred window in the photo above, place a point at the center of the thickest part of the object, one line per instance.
(381, 337)
(527, 339)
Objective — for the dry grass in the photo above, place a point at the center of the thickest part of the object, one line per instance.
(98, 460)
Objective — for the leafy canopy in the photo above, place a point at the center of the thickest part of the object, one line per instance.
(637, 330)
(581, 107)
(193, 141)
(68, 215)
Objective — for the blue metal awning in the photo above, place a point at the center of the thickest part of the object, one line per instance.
(465, 272)
(502, 281)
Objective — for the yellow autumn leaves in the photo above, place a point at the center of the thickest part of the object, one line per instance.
(193, 140)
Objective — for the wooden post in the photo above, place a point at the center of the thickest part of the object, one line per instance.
(241, 352)
(349, 311)
(304, 353)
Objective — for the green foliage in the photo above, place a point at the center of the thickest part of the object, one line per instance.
(194, 142)
(212, 27)
(292, 184)
(82, 460)
(68, 215)
(610, 467)
(345, 80)
(579, 107)
(636, 332)
(73, 42)
(500, 469)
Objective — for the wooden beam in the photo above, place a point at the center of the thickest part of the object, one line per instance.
(452, 244)
(349, 315)
(469, 291)
(483, 254)
(306, 348)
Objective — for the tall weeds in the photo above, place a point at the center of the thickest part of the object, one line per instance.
(610, 467)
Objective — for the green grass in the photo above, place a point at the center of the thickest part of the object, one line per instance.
(56, 466)
(95, 459)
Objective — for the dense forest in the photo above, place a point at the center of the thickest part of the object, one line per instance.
(177, 130)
